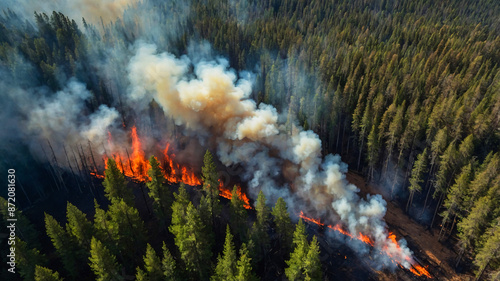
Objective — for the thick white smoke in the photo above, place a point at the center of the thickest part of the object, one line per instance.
(214, 101)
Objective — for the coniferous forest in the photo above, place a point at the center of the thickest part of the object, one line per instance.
(116, 180)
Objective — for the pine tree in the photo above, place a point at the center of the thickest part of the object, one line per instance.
(284, 226)
(373, 151)
(65, 245)
(238, 214)
(312, 263)
(27, 259)
(419, 169)
(127, 229)
(79, 226)
(258, 232)
(489, 252)
(115, 185)
(152, 265)
(168, 264)
(211, 184)
(103, 263)
(262, 210)
(244, 266)
(226, 265)
(454, 201)
(469, 228)
(159, 192)
(190, 238)
(45, 274)
(295, 269)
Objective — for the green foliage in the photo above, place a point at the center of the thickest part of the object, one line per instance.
(489, 251)
(45, 274)
(312, 263)
(79, 226)
(153, 266)
(103, 263)
(284, 226)
(190, 237)
(211, 185)
(65, 245)
(168, 264)
(238, 215)
(115, 184)
(226, 265)
(419, 168)
(27, 259)
(258, 232)
(159, 192)
(244, 266)
(295, 269)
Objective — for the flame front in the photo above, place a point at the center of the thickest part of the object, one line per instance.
(228, 194)
(415, 268)
(136, 165)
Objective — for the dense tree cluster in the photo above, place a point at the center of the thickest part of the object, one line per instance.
(114, 242)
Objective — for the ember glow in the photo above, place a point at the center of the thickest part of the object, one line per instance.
(415, 268)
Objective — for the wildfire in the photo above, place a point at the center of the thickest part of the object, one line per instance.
(175, 173)
(227, 193)
(415, 268)
(136, 166)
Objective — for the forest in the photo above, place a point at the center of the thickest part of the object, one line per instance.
(406, 92)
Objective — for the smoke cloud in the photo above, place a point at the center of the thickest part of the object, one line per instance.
(214, 101)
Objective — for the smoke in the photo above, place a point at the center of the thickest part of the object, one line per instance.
(91, 10)
(61, 118)
(212, 100)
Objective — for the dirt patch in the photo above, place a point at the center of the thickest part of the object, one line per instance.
(423, 242)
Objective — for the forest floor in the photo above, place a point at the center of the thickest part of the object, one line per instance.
(421, 240)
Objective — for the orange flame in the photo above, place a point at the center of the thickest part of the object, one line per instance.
(415, 268)
(175, 173)
(228, 194)
(136, 165)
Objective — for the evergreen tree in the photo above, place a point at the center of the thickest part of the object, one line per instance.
(312, 263)
(238, 214)
(79, 226)
(190, 238)
(103, 263)
(244, 266)
(65, 245)
(127, 229)
(27, 259)
(295, 269)
(211, 183)
(489, 251)
(158, 191)
(284, 226)
(453, 203)
(45, 274)
(168, 264)
(258, 232)
(226, 265)
(153, 266)
(419, 169)
(115, 184)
